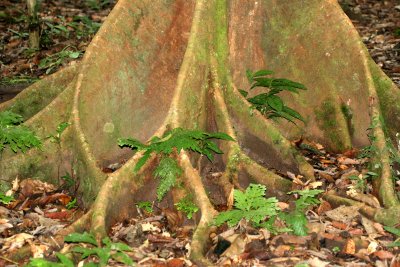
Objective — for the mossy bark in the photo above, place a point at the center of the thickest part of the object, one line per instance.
(157, 65)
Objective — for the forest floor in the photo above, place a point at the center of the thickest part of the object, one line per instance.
(335, 236)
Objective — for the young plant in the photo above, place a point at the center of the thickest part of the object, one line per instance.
(145, 205)
(101, 255)
(396, 232)
(250, 205)
(175, 140)
(55, 60)
(15, 135)
(71, 205)
(187, 206)
(269, 103)
(296, 219)
(56, 138)
(4, 199)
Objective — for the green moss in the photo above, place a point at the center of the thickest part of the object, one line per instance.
(327, 119)
(348, 115)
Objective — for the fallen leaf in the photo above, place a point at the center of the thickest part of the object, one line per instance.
(349, 247)
(383, 255)
(372, 247)
(343, 214)
(323, 207)
(339, 225)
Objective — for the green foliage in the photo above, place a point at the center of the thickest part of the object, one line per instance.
(168, 171)
(97, 4)
(17, 80)
(84, 26)
(250, 205)
(15, 135)
(187, 206)
(69, 182)
(72, 204)
(178, 138)
(396, 232)
(146, 206)
(53, 61)
(56, 138)
(109, 250)
(5, 199)
(296, 219)
(270, 104)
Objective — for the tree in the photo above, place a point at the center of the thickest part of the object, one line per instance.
(159, 65)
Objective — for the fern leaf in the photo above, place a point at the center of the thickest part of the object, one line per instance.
(168, 171)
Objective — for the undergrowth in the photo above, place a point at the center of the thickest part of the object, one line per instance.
(171, 142)
(253, 207)
(269, 103)
(15, 135)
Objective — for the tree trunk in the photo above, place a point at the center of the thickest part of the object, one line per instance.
(33, 24)
(158, 65)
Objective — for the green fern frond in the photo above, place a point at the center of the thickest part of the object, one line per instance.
(168, 171)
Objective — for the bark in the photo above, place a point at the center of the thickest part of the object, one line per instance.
(157, 65)
(34, 27)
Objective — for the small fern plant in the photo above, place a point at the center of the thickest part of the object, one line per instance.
(250, 205)
(15, 135)
(94, 253)
(269, 103)
(296, 220)
(177, 139)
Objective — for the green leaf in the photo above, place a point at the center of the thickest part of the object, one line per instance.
(62, 126)
(392, 230)
(249, 75)
(74, 55)
(65, 260)
(297, 221)
(5, 199)
(250, 205)
(262, 73)
(243, 92)
(81, 238)
(275, 102)
(292, 113)
(145, 205)
(187, 206)
(167, 171)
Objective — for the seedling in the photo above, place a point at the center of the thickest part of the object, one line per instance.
(177, 139)
(146, 206)
(396, 232)
(51, 62)
(97, 4)
(72, 204)
(84, 26)
(296, 219)
(56, 138)
(270, 104)
(187, 206)
(100, 256)
(13, 134)
(250, 205)
(5, 199)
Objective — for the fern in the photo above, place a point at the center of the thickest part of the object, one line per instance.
(104, 253)
(297, 220)
(178, 138)
(269, 104)
(15, 135)
(250, 205)
(167, 170)
(187, 206)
